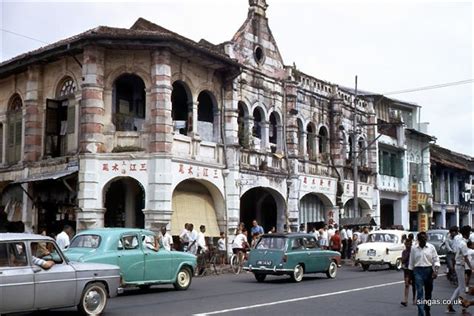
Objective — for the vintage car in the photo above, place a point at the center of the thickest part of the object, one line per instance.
(382, 247)
(25, 286)
(142, 263)
(291, 254)
(437, 237)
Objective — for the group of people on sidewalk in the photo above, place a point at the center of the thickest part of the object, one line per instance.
(421, 264)
(344, 240)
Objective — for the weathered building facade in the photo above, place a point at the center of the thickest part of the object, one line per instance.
(453, 187)
(143, 127)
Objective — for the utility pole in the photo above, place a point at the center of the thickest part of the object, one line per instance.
(354, 153)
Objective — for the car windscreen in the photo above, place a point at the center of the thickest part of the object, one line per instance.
(437, 237)
(85, 241)
(383, 237)
(274, 243)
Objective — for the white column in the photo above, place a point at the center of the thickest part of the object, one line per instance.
(443, 218)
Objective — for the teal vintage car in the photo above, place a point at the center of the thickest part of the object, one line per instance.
(136, 251)
(291, 254)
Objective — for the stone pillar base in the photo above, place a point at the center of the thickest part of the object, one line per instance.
(90, 218)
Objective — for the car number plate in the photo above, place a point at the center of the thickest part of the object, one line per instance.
(371, 253)
(264, 262)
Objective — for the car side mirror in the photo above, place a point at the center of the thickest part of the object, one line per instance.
(36, 269)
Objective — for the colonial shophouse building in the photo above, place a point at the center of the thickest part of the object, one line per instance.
(142, 127)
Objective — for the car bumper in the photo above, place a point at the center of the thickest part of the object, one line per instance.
(366, 261)
(269, 270)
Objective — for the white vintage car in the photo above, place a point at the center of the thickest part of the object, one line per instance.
(56, 283)
(382, 247)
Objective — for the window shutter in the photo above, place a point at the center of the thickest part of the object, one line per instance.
(71, 119)
(52, 119)
(18, 125)
(11, 134)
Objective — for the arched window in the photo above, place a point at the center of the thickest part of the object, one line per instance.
(362, 152)
(180, 101)
(207, 109)
(14, 129)
(310, 141)
(257, 123)
(301, 139)
(323, 140)
(60, 118)
(243, 125)
(349, 149)
(129, 104)
(274, 133)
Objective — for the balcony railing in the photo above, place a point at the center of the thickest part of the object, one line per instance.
(315, 168)
(262, 161)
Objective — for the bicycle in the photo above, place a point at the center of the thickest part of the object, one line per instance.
(207, 263)
(237, 261)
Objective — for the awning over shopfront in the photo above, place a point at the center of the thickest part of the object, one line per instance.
(357, 221)
(48, 176)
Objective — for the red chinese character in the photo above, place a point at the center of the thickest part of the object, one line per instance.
(143, 167)
(115, 167)
(204, 172)
(321, 182)
(314, 181)
(133, 167)
(105, 167)
(181, 168)
(190, 170)
(305, 180)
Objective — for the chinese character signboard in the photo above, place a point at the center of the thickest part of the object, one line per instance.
(123, 167)
(423, 223)
(413, 198)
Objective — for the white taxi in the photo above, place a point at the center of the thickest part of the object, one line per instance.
(382, 247)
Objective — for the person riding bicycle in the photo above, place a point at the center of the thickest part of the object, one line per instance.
(240, 243)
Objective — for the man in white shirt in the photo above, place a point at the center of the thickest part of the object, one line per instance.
(240, 242)
(349, 242)
(184, 237)
(201, 239)
(331, 232)
(343, 233)
(424, 262)
(166, 239)
(63, 238)
(462, 260)
(192, 248)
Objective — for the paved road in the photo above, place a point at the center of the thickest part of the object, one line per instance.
(353, 292)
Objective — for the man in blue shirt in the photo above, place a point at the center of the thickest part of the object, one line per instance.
(256, 229)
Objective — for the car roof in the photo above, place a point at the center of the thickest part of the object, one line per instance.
(114, 230)
(22, 236)
(285, 235)
(390, 231)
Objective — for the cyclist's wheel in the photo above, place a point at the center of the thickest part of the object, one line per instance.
(235, 264)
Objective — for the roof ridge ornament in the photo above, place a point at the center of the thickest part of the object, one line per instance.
(258, 7)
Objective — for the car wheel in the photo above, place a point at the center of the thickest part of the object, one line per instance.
(332, 270)
(365, 266)
(398, 264)
(297, 274)
(260, 277)
(93, 299)
(183, 279)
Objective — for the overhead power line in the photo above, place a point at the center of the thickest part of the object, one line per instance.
(437, 86)
(21, 35)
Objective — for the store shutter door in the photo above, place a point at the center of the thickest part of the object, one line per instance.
(196, 208)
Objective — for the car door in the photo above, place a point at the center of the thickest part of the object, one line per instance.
(16, 278)
(297, 253)
(315, 254)
(59, 280)
(157, 262)
(131, 258)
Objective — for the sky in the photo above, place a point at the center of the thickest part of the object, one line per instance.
(390, 46)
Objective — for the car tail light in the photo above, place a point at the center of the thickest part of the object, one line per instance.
(285, 258)
(386, 251)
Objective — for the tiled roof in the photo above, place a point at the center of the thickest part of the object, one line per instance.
(141, 30)
(451, 159)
